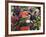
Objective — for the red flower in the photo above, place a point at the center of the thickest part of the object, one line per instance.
(25, 28)
(23, 14)
(17, 27)
(13, 19)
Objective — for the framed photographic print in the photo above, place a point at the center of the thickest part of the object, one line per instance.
(24, 18)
